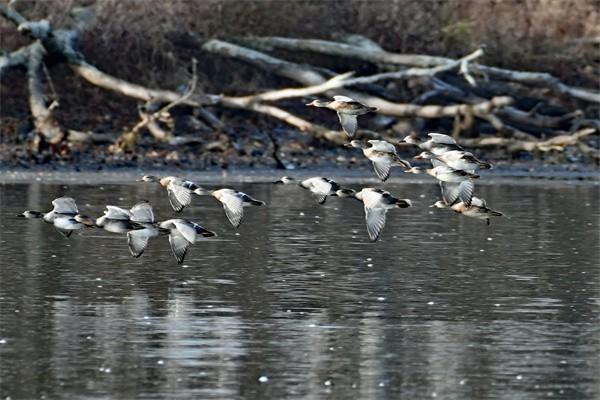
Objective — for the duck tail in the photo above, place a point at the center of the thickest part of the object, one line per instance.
(496, 213)
(257, 202)
(201, 191)
(403, 203)
(372, 109)
(485, 165)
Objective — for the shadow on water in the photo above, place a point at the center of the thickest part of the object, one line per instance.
(442, 306)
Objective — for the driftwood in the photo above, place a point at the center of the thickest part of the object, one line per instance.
(557, 143)
(384, 58)
(299, 73)
(43, 120)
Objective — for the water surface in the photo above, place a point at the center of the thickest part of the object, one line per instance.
(298, 304)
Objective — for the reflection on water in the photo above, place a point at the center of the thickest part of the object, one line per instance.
(443, 306)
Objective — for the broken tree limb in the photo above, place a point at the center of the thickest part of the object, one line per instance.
(384, 57)
(344, 50)
(263, 61)
(17, 58)
(44, 122)
(557, 143)
(540, 79)
(148, 120)
(62, 43)
(303, 125)
(344, 80)
(297, 72)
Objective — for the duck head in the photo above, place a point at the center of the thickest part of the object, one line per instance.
(318, 103)
(424, 155)
(84, 219)
(439, 204)
(411, 139)
(30, 214)
(149, 178)
(415, 170)
(356, 144)
(285, 180)
(345, 193)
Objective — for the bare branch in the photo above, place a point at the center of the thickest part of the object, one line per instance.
(384, 57)
(44, 122)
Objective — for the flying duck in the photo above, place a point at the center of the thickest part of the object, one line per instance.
(347, 110)
(437, 144)
(234, 203)
(457, 159)
(66, 225)
(182, 233)
(179, 190)
(454, 183)
(383, 156)
(62, 216)
(478, 209)
(318, 186)
(63, 207)
(376, 203)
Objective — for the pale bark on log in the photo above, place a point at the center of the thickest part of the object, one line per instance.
(557, 143)
(44, 122)
(265, 62)
(531, 118)
(303, 125)
(297, 72)
(17, 58)
(384, 57)
(345, 80)
(344, 50)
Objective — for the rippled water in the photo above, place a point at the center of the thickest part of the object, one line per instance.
(300, 305)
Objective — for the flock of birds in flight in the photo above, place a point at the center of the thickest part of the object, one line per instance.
(452, 166)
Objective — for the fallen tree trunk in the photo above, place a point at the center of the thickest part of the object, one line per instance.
(557, 143)
(384, 57)
(44, 122)
(371, 55)
(297, 72)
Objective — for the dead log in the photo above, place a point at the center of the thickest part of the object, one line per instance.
(148, 119)
(344, 50)
(17, 58)
(265, 62)
(384, 58)
(61, 42)
(298, 73)
(316, 130)
(557, 143)
(44, 122)
(345, 80)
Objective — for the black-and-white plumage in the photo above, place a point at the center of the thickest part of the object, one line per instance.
(376, 204)
(461, 160)
(182, 233)
(437, 143)
(61, 216)
(383, 155)
(347, 110)
(234, 203)
(179, 190)
(319, 187)
(478, 209)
